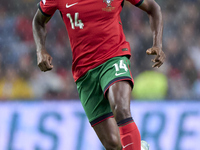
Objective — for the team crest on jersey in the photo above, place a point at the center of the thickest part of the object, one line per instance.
(108, 7)
(44, 1)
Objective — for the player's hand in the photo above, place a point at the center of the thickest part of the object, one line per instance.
(44, 61)
(160, 56)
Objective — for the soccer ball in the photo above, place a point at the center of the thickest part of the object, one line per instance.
(144, 145)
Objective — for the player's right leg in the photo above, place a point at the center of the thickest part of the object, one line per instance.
(98, 111)
(108, 133)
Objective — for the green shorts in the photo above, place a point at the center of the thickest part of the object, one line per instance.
(92, 87)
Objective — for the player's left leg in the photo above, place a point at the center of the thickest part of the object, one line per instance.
(119, 95)
(117, 84)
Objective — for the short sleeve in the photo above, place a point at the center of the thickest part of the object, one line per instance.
(136, 2)
(47, 7)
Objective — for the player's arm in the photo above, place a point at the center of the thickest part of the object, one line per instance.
(155, 16)
(44, 60)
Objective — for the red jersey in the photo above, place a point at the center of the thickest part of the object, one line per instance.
(94, 28)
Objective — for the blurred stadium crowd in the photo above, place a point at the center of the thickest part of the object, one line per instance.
(20, 78)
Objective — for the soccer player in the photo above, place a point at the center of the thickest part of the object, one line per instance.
(101, 65)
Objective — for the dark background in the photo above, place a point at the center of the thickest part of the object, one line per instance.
(20, 78)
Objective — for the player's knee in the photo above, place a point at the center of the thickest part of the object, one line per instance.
(121, 112)
(112, 143)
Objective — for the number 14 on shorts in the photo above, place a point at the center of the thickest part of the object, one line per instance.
(119, 67)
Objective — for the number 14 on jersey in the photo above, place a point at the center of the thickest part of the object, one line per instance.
(75, 22)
